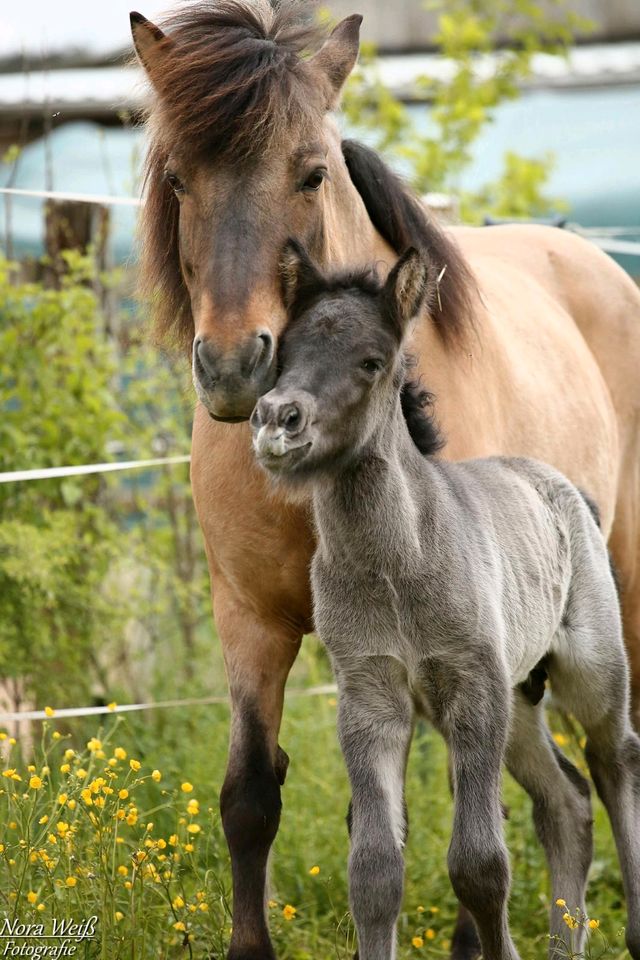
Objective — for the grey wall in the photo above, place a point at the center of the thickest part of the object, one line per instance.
(406, 25)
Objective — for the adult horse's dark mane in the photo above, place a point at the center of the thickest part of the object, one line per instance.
(235, 75)
(400, 217)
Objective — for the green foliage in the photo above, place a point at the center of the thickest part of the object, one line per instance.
(57, 408)
(95, 571)
(479, 79)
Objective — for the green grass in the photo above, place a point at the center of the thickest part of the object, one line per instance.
(190, 746)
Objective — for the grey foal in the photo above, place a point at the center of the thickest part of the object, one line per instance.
(440, 588)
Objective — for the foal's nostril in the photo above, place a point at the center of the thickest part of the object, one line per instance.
(291, 418)
(205, 360)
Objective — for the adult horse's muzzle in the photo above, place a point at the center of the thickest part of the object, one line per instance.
(229, 383)
(280, 435)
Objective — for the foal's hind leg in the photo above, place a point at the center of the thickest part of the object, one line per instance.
(470, 707)
(375, 722)
(561, 814)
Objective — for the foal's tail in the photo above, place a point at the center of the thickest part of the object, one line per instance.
(594, 509)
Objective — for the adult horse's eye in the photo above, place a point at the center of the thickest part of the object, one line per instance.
(372, 365)
(174, 182)
(314, 180)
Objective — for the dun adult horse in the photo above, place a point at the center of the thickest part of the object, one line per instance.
(441, 588)
(534, 348)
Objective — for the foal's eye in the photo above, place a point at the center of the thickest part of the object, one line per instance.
(174, 182)
(372, 365)
(314, 180)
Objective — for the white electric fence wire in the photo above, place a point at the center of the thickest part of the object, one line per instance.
(326, 689)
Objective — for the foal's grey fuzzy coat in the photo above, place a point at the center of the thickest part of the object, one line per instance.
(438, 588)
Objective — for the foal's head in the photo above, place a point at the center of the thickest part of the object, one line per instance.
(341, 362)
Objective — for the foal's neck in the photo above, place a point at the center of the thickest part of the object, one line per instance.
(367, 513)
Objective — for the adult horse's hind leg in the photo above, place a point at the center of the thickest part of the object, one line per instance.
(592, 682)
(375, 723)
(258, 657)
(561, 813)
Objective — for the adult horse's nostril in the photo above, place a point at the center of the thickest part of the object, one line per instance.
(205, 360)
(263, 354)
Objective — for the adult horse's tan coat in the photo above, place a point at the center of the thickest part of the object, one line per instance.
(545, 364)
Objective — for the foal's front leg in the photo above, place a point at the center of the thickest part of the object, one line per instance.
(375, 722)
(471, 709)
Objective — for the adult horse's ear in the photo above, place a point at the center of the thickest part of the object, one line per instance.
(300, 277)
(406, 287)
(337, 57)
(151, 44)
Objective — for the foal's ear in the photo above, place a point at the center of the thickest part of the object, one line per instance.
(298, 272)
(152, 45)
(406, 287)
(337, 57)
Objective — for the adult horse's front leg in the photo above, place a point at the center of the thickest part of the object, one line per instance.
(258, 655)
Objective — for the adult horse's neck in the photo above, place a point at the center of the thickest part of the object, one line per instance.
(350, 238)
(367, 514)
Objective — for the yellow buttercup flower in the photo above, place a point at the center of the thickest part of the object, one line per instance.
(561, 903)
(122, 870)
(189, 848)
(570, 921)
(120, 753)
(135, 765)
(179, 925)
(186, 787)
(72, 804)
(43, 819)
(314, 871)
(594, 924)
(71, 881)
(94, 744)
(123, 794)
(56, 735)
(32, 897)
(50, 712)
(178, 903)
(40, 907)
(118, 916)
(35, 783)
(69, 753)
(156, 775)
(193, 807)
(561, 739)
(430, 934)
(112, 705)
(193, 828)
(289, 912)
(417, 942)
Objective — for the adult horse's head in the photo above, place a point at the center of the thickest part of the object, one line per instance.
(242, 156)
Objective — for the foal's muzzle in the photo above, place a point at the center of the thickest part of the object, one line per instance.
(279, 424)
